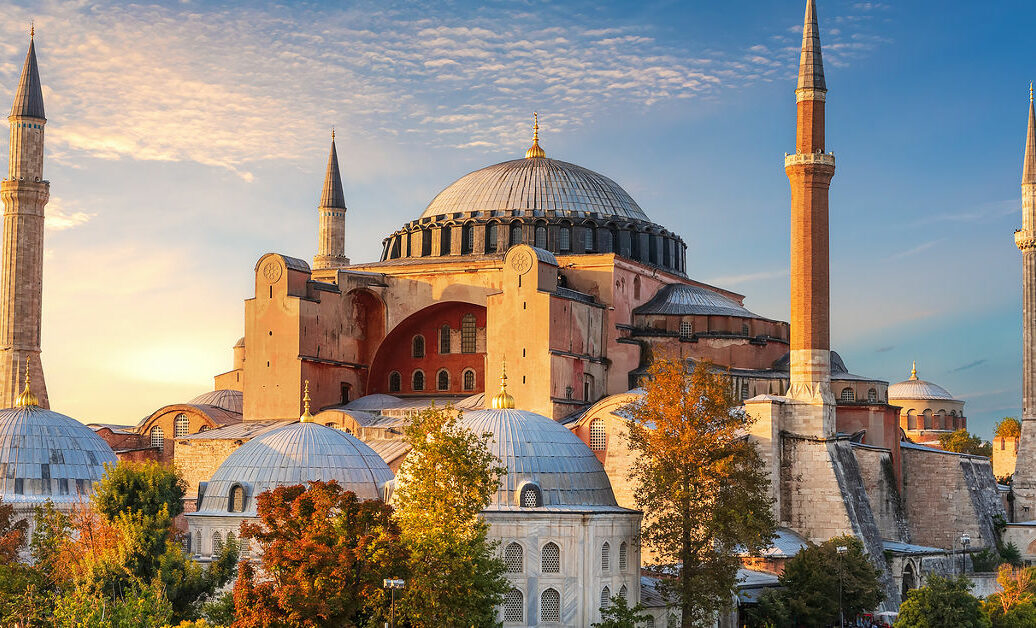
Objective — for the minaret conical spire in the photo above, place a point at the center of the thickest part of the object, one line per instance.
(28, 99)
(333, 194)
(331, 238)
(1029, 163)
(811, 64)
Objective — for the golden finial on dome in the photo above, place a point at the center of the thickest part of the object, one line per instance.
(306, 416)
(503, 400)
(26, 398)
(32, 29)
(913, 370)
(535, 150)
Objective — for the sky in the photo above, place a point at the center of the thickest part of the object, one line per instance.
(187, 139)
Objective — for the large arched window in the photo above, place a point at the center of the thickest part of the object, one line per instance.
(444, 339)
(157, 437)
(565, 239)
(467, 333)
(417, 347)
(442, 380)
(541, 237)
(491, 236)
(606, 598)
(927, 419)
(514, 558)
(417, 382)
(591, 238)
(516, 234)
(623, 556)
(550, 606)
(872, 395)
(394, 381)
(623, 592)
(598, 438)
(217, 543)
(550, 558)
(911, 420)
(181, 425)
(469, 380)
(237, 499)
(848, 394)
(467, 239)
(606, 556)
(513, 607)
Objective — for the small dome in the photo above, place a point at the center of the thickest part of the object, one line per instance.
(536, 184)
(295, 454)
(537, 449)
(45, 455)
(919, 389)
(686, 300)
(230, 400)
(373, 403)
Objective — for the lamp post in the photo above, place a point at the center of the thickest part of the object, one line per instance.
(965, 542)
(392, 585)
(842, 549)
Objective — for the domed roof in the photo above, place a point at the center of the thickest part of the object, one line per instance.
(914, 388)
(45, 455)
(227, 399)
(536, 184)
(295, 454)
(371, 403)
(677, 299)
(537, 449)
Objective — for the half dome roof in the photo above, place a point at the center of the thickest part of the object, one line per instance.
(230, 400)
(540, 185)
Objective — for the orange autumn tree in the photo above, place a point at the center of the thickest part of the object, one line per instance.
(700, 482)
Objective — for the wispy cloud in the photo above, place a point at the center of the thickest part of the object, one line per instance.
(969, 365)
(733, 280)
(884, 349)
(924, 246)
(61, 215)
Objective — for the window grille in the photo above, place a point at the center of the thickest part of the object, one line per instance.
(872, 395)
(516, 234)
(848, 394)
(444, 339)
(197, 543)
(598, 439)
(550, 558)
(443, 380)
(606, 556)
(187, 543)
(530, 497)
(469, 380)
(650, 622)
(467, 238)
(514, 558)
(491, 238)
(565, 239)
(157, 437)
(550, 606)
(230, 538)
(237, 499)
(541, 237)
(217, 543)
(622, 592)
(623, 562)
(686, 330)
(417, 347)
(418, 381)
(606, 598)
(744, 329)
(182, 425)
(467, 333)
(513, 603)
(395, 382)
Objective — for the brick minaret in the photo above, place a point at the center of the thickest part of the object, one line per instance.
(1024, 482)
(25, 194)
(809, 171)
(331, 248)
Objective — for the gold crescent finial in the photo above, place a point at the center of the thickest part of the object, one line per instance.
(503, 400)
(26, 398)
(306, 416)
(332, 134)
(535, 150)
(913, 370)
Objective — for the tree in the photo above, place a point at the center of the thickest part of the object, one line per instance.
(139, 606)
(618, 614)
(963, 442)
(1013, 606)
(942, 602)
(447, 479)
(12, 533)
(1008, 427)
(700, 482)
(325, 553)
(816, 579)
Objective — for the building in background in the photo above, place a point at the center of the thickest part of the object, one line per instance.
(926, 410)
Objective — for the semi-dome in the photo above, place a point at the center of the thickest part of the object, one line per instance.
(227, 399)
(687, 300)
(45, 455)
(919, 389)
(536, 184)
(541, 452)
(294, 454)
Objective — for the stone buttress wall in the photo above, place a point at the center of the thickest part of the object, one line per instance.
(879, 480)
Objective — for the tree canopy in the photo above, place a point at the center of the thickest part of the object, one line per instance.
(964, 442)
(1008, 427)
(1014, 606)
(940, 603)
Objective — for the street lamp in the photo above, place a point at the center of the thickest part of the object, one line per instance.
(842, 549)
(965, 542)
(392, 585)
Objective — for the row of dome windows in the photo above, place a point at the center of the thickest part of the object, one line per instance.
(442, 380)
(938, 421)
(181, 428)
(550, 557)
(244, 546)
(550, 605)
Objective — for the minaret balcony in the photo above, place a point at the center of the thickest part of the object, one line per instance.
(1025, 240)
(797, 159)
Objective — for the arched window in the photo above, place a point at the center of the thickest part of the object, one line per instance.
(237, 499)
(872, 395)
(598, 438)
(444, 339)
(911, 420)
(540, 239)
(467, 239)
(444, 240)
(418, 381)
(426, 242)
(181, 425)
(745, 330)
(217, 543)
(491, 231)
(606, 598)
(442, 380)
(530, 497)
(606, 556)
(513, 607)
(604, 240)
(469, 380)
(622, 592)
(157, 437)
(550, 558)
(467, 333)
(197, 543)
(394, 381)
(591, 238)
(514, 558)
(686, 330)
(230, 538)
(417, 347)
(636, 287)
(550, 606)
(565, 239)
(396, 244)
(848, 394)
(516, 234)
(623, 558)
(927, 419)
(650, 622)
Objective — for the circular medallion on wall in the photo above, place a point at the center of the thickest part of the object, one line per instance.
(521, 262)
(272, 271)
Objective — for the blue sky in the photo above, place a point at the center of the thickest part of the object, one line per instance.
(186, 139)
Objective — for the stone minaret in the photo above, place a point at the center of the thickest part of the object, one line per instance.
(25, 194)
(809, 171)
(1024, 483)
(331, 250)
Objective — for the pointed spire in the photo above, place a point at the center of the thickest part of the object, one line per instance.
(503, 400)
(535, 150)
(333, 194)
(1029, 167)
(811, 65)
(306, 416)
(26, 398)
(28, 99)
(913, 370)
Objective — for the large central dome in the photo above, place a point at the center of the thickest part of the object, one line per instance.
(538, 184)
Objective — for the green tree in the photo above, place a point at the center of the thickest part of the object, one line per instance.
(619, 614)
(1008, 427)
(816, 579)
(700, 482)
(964, 442)
(325, 553)
(139, 606)
(942, 602)
(447, 479)
(1013, 605)
(27, 591)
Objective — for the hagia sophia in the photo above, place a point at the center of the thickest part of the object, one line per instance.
(531, 295)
